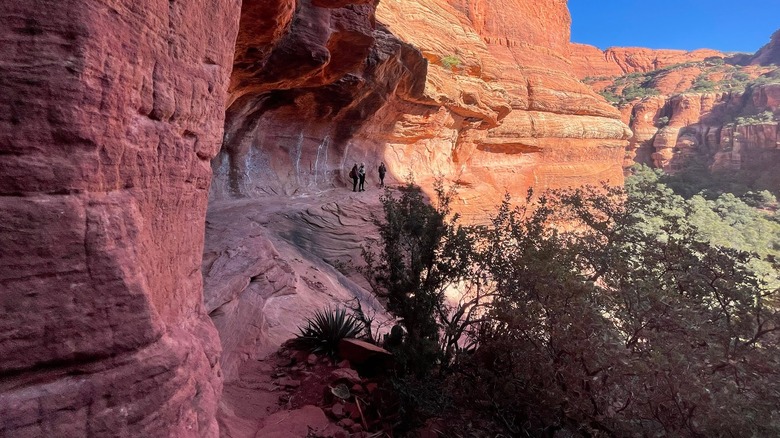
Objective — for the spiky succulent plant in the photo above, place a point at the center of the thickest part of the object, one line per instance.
(326, 328)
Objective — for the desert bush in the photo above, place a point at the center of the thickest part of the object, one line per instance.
(703, 84)
(634, 91)
(625, 322)
(326, 328)
(450, 62)
(422, 252)
(610, 96)
(757, 119)
(596, 311)
(761, 199)
(662, 121)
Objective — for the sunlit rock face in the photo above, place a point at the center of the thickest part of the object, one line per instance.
(110, 114)
(590, 61)
(462, 89)
(669, 132)
(679, 126)
(510, 115)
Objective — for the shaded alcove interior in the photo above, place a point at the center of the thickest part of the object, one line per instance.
(279, 216)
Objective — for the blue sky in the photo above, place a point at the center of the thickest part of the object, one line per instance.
(726, 25)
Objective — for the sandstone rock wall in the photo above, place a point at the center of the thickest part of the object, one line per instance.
(463, 89)
(514, 115)
(590, 61)
(670, 131)
(110, 113)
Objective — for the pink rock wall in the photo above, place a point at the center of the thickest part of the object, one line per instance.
(110, 113)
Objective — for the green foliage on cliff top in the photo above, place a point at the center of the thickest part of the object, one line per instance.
(639, 85)
(758, 119)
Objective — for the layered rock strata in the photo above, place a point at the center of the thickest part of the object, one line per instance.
(670, 131)
(447, 88)
(110, 113)
(442, 87)
(590, 61)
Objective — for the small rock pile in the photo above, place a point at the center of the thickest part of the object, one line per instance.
(327, 395)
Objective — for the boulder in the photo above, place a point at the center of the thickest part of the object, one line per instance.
(359, 352)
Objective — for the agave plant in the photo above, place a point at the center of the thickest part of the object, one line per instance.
(326, 328)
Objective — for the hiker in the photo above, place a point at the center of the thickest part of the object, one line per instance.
(382, 172)
(354, 175)
(362, 176)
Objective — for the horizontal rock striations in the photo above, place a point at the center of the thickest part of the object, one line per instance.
(440, 87)
(590, 61)
(110, 113)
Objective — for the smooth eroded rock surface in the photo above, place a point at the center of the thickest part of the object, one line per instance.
(456, 88)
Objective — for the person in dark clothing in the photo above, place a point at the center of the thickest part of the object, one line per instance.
(354, 175)
(382, 172)
(362, 176)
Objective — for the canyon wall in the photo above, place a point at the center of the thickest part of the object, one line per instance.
(590, 61)
(110, 113)
(431, 88)
(671, 131)
(457, 88)
(691, 107)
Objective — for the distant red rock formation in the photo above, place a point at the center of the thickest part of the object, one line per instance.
(590, 61)
(770, 53)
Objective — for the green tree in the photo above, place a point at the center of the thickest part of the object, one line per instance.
(423, 251)
(605, 325)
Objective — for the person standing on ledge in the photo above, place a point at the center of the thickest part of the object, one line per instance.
(362, 176)
(354, 175)
(382, 172)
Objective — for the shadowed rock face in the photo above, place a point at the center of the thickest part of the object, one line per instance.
(110, 113)
(770, 53)
(301, 90)
(436, 87)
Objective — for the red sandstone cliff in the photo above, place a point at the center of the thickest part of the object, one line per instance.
(110, 113)
(722, 128)
(689, 105)
(444, 87)
(590, 61)
(551, 130)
